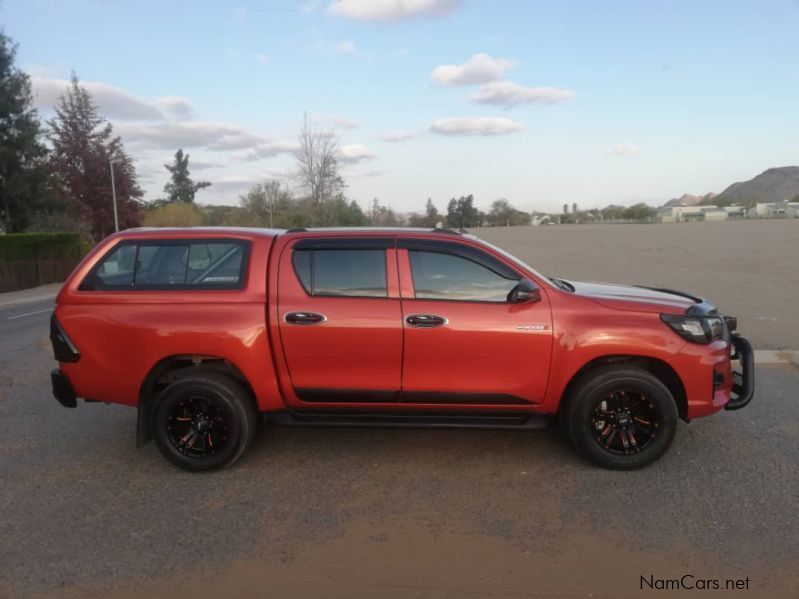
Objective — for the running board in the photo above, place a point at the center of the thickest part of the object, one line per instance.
(352, 418)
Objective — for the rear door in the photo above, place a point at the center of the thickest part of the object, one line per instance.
(465, 343)
(341, 320)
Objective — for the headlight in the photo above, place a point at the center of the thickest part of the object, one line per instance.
(697, 329)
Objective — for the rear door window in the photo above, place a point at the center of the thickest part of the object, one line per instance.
(346, 272)
(217, 264)
(116, 269)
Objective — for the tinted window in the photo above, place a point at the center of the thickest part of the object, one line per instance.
(354, 273)
(211, 264)
(116, 270)
(447, 277)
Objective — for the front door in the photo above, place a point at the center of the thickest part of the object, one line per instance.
(465, 343)
(341, 320)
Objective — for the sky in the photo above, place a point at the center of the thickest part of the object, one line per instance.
(541, 103)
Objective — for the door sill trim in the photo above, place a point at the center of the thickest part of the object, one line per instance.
(408, 419)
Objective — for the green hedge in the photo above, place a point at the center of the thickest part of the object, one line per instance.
(42, 246)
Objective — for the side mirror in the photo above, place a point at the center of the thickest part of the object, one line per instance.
(525, 291)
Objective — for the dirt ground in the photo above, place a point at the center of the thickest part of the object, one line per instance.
(375, 513)
(747, 268)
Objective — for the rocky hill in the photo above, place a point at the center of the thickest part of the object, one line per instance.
(689, 200)
(773, 185)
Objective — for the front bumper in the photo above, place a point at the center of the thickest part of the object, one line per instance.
(62, 389)
(743, 381)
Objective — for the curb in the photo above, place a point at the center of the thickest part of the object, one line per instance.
(28, 300)
(29, 296)
(777, 356)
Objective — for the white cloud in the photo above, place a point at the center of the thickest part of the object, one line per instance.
(336, 120)
(345, 47)
(201, 165)
(268, 148)
(391, 10)
(112, 101)
(196, 134)
(508, 94)
(176, 106)
(262, 58)
(368, 174)
(476, 125)
(623, 149)
(354, 153)
(480, 68)
(213, 136)
(397, 136)
(233, 184)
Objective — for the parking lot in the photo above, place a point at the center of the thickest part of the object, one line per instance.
(383, 513)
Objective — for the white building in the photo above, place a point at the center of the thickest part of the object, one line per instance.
(686, 214)
(777, 209)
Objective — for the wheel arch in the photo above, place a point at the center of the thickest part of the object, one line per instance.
(662, 370)
(172, 368)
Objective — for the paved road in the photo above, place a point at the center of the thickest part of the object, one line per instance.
(383, 513)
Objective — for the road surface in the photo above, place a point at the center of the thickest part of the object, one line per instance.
(383, 513)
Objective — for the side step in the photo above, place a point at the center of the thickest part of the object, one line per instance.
(397, 419)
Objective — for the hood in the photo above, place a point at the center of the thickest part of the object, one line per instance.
(631, 297)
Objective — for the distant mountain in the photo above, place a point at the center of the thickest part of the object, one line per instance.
(689, 200)
(774, 185)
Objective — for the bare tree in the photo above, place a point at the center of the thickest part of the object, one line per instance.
(317, 164)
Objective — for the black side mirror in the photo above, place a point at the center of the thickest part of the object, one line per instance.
(525, 291)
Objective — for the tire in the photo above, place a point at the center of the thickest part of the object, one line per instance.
(204, 421)
(621, 417)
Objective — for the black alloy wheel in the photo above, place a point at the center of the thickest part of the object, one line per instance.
(620, 416)
(625, 422)
(204, 421)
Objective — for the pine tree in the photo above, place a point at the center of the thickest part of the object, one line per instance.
(181, 188)
(431, 218)
(22, 154)
(83, 148)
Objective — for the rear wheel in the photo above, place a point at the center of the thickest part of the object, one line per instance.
(204, 421)
(621, 417)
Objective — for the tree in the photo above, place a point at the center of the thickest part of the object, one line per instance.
(640, 212)
(180, 214)
(181, 188)
(288, 211)
(432, 217)
(565, 208)
(316, 164)
(502, 214)
(83, 146)
(462, 213)
(613, 212)
(383, 216)
(574, 208)
(23, 179)
(428, 220)
(267, 205)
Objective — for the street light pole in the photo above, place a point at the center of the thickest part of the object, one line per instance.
(271, 206)
(114, 195)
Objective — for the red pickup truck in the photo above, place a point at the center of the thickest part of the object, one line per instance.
(209, 331)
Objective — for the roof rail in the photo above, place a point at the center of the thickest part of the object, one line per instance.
(448, 231)
(297, 230)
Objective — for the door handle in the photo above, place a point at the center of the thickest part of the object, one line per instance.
(304, 317)
(425, 321)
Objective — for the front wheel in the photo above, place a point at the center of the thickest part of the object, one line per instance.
(621, 417)
(204, 421)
